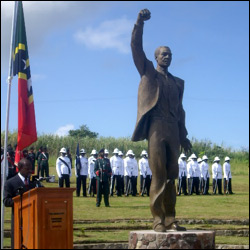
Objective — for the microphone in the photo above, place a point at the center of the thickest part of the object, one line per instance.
(42, 178)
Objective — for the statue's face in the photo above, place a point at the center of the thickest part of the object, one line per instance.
(164, 57)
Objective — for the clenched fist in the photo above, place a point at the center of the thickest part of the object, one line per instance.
(143, 15)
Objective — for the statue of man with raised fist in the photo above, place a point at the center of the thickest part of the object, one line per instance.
(160, 120)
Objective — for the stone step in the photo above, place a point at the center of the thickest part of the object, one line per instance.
(219, 232)
(181, 221)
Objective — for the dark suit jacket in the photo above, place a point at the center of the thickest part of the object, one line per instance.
(149, 89)
(11, 189)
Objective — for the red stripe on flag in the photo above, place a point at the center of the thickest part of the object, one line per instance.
(26, 117)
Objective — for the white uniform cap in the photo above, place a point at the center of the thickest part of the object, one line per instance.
(216, 159)
(120, 153)
(227, 158)
(204, 157)
(63, 150)
(116, 151)
(199, 160)
(82, 151)
(193, 156)
(183, 156)
(144, 152)
(106, 151)
(130, 152)
(94, 152)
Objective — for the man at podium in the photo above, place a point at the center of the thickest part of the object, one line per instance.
(16, 185)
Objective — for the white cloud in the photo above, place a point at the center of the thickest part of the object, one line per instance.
(112, 34)
(64, 130)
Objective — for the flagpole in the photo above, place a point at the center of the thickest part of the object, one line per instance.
(9, 80)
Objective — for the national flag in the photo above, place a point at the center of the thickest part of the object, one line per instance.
(26, 112)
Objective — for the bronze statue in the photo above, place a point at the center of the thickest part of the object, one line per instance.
(160, 120)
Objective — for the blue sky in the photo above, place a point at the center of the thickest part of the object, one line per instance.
(83, 73)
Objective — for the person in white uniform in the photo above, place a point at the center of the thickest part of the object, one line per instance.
(129, 166)
(205, 175)
(193, 175)
(120, 154)
(217, 176)
(145, 173)
(81, 176)
(116, 164)
(182, 183)
(227, 176)
(91, 172)
(63, 168)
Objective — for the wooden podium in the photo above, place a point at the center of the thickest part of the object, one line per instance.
(47, 219)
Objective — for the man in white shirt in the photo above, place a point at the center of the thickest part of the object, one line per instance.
(63, 168)
(120, 154)
(129, 169)
(91, 172)
(117, 172)
(217, 175)
(194, 175)
(205, 175)
(182, 174)
(81, 176)
(145, 173)
(227, 176)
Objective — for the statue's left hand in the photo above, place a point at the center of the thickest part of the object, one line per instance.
(186, 145)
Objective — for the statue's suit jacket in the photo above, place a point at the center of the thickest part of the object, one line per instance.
(150, 88)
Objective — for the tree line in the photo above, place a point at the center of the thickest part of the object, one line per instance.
(91, 141)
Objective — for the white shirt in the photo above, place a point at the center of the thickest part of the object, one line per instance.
(84, 166)
(61, 168)
(116, 165)
(91, 167)
(22, 178)
(227, 170)
(129, 167)
(144, 167)
(193, 169)
(189, 170)
(204, 170)
(196, 169)
(182, 168)
(217, 171)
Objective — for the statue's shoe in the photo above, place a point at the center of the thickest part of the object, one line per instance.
(160, 228)
(175, 227)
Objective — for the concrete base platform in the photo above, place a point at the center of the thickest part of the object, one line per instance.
(191, 239)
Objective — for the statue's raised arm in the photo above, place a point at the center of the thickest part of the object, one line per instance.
(142, 64)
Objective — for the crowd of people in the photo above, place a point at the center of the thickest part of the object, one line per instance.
(194, 175)
(194, 172)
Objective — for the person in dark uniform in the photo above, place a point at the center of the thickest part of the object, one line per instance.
(37, 157)
(16, 183)
(103, 173)
(32, 157)
(44, 162)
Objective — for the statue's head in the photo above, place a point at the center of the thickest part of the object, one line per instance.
(163, 56)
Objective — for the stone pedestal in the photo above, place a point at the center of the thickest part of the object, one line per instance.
(191, 239)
